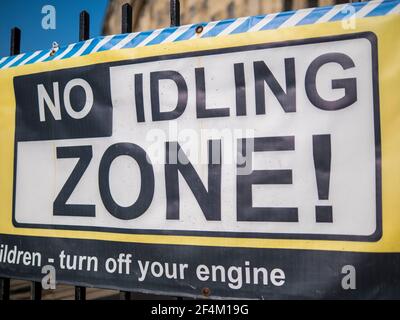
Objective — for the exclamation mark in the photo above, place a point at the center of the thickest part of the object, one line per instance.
(322, 164)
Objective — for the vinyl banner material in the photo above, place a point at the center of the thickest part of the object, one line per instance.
(248, 158)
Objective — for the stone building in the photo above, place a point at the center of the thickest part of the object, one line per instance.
(153, 14)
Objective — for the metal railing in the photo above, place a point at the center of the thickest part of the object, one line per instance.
(84, 32)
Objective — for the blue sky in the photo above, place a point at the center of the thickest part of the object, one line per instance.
(27, 15)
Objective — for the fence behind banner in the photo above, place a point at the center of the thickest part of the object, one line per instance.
(18, 289)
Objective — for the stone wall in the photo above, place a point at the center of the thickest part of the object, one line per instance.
(153, 14)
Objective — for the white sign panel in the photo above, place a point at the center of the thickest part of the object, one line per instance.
(295, 124)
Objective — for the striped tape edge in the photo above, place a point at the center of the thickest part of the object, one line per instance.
(210, 29)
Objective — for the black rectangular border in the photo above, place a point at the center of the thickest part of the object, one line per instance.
(370, 36)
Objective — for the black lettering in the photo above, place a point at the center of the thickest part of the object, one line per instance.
(139, 97)
(244, 182)
(60, 206)
(202, 111)
(240, 89)
(263, 74)
(146, 181)
(177, 161)
(349, 85)
(180, 82)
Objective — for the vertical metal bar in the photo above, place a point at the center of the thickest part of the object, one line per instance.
(287, 5)
(36, 291)
(126, 18)
(126, 27)
(125, 295)
(312, 3)
(15, 43)
(84, 26)
(175, 13)
(5, 289)
(80, 293)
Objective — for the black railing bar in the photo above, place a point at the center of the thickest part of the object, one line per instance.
(84, 33)
(312, 3)
(126, 27)
(80, 293)
(126, 18)
(287, 5)
(15, 43)
(125, 295)
(175, 13)
(5, 289)
(84, 26)
(36, 290)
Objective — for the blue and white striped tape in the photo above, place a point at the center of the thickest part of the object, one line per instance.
(211, 29)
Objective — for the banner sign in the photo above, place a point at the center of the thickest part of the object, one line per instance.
(247, 158)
